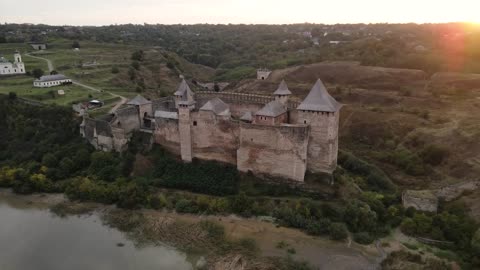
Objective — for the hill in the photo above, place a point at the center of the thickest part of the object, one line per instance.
(423, 136)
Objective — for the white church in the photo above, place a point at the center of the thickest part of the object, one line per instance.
(9, 68)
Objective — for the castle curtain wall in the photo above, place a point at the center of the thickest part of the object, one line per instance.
(239, 109)
(128, 119)
(167, 134)
(214, 138)
(275, 150)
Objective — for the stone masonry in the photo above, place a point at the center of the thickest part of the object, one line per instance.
(261, 134)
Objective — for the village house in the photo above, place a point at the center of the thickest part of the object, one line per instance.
(260, 134)
(38, 46)
(52, 80)
(9, 68)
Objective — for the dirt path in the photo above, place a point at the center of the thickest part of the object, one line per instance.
(49, 62)
(122, 101)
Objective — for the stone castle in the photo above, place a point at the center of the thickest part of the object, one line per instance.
(263, 134)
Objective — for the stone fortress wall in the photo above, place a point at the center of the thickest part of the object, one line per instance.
(212, 126)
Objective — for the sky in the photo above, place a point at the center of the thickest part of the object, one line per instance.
(106, 12)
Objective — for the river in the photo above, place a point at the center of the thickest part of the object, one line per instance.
(31, 237)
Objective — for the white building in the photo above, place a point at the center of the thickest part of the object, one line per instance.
(262, 74)
(9, 68)
(38, 46)
(52, 80)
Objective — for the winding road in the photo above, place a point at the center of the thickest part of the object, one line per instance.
(122, 101)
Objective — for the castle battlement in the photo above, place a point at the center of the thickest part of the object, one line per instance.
(257, 133)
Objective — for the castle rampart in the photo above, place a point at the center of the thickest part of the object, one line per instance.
(261, 134)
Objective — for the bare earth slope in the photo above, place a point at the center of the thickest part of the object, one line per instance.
(392, 115)
(352, 73)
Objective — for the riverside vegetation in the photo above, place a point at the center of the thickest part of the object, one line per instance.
(40, 151)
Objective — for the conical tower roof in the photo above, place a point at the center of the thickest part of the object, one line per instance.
(319, 100)
(139, 100)
(282, 89)
(184, 92)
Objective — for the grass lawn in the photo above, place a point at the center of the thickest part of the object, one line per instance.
(23, 87)
(7, 50)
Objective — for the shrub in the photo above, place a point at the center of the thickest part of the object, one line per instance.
(214, 231)
(434, 155)
(338, 231)
(156, 203)
(185, 206)
(240, 204)
(115, 70)
(377, 180)
(320, 227)
(363, 238)
(200, 176)
(136, 65)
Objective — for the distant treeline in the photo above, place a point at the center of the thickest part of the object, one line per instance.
(236, 50)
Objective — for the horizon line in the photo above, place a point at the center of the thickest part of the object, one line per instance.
(272, 24)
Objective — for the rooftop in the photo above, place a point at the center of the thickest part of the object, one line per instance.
(185, 93)
(272, 109)
(165, 114)
(49, 78)
(217, 106)
(319, 100)
(3, 60)
(139, 100)
(282, 89)
(247, 117)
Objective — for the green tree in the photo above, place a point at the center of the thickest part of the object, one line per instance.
(115, 70)
(49, 160)
(37, 73)
(476, 242)
(136, 65)
(138, 56)
(76, 45)
(338, 231)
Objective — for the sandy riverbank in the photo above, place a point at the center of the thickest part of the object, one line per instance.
(167, 226)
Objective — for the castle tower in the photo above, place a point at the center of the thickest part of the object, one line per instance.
(282, 93)
(17, 57)
(143, 105)
(144, 110)
(321, 112)
(185, 102)
(184, 94)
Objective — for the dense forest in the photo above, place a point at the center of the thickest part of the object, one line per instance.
(236, 50)
(41, 151)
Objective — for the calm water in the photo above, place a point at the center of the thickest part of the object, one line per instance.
(34, 238)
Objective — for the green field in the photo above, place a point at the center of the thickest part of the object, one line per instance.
(7, 50)
(23, 87)
(69, 62)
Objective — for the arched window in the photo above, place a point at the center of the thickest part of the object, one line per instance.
(195, 123)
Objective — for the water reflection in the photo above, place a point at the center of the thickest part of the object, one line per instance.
(33, 238)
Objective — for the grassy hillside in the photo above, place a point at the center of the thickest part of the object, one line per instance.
(114, 70)
(157, 74)
(421, 134)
